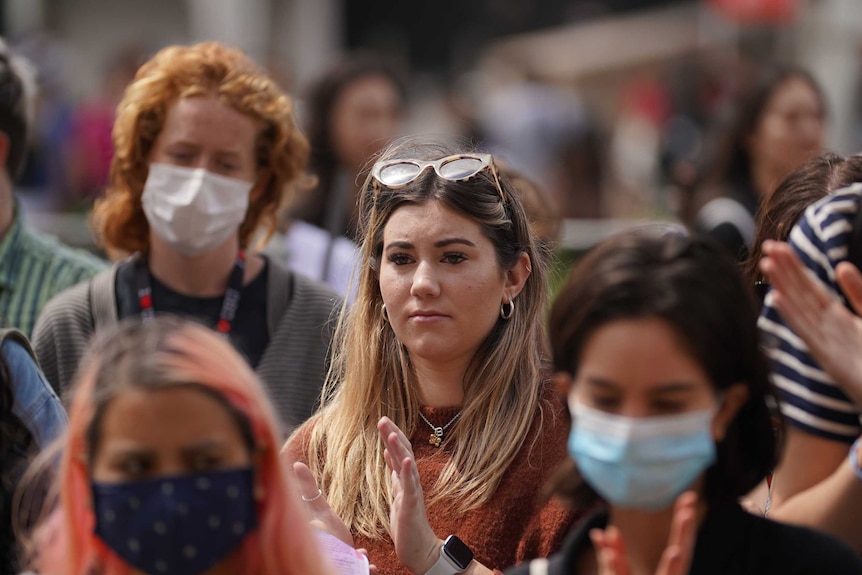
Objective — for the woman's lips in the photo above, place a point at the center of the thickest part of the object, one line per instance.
(427, 316)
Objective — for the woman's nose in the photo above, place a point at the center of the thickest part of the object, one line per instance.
(425, 282)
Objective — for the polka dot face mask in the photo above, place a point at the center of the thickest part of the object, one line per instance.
(177, 525)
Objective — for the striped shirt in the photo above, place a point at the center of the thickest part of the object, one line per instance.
(810, 398)
(33, 269)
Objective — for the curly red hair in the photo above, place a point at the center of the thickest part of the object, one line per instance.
(205, 69)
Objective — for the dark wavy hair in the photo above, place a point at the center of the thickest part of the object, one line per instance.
(731, 168)
(802, 187)
(690, 283)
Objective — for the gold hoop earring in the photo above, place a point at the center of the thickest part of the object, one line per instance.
(384, 313)
(507, 310)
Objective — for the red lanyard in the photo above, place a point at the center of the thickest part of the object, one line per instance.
(229, 304)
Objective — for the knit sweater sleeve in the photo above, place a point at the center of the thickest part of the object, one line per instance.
(61, 335)
(550, 524)
(546, 532)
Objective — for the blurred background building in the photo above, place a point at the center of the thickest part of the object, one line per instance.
(610, 106)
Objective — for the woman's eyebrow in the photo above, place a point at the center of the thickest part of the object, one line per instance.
(673, 387)
(450, 241)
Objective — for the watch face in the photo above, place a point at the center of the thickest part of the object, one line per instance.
(458, 552)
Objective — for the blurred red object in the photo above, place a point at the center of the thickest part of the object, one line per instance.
(758, 11)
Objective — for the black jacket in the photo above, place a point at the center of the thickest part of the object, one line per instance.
(733, 542)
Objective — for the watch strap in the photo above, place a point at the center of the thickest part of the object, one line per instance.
(443, 565)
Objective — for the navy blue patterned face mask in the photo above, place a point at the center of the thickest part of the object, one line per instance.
(176, 525)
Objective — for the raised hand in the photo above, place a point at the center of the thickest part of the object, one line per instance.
(322, 516)
(831, 332)
(416, 545)
(676, 558)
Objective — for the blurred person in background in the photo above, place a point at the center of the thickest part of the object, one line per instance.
(90, 149)
(171, 464)
(544, 132)
(33, 267)
(778, 124)
(439, 418)
(783, 208)
(206, 149)
(31, 417)
(662, 450)
(354, 111)
(814, 367)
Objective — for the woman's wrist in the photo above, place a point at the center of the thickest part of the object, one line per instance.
(428, 558)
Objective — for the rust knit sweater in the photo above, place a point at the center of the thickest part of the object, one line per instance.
(511, 527)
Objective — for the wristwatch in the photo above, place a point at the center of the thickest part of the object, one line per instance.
(455, 557)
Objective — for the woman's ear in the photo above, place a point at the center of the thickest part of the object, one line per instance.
(516, 277)
(734, 398)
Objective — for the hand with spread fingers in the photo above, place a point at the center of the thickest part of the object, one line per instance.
(831, 332)
(676, 558)
(415, 542)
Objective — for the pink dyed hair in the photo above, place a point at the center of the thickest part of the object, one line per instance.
(163, 353)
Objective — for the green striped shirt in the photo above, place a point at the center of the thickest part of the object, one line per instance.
(33, 269)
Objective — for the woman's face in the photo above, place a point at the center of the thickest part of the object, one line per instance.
(639, 368)
(146, 434)
(440, 282)
(791, 129)
(366, 116)
(201, 132)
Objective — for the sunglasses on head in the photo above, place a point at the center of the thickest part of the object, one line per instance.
(398, 173)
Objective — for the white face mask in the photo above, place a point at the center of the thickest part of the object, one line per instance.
(193, 210)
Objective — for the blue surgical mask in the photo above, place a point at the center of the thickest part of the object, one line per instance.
(644, 462)
(180, 525)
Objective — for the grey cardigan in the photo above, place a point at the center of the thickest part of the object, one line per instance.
(300, 320)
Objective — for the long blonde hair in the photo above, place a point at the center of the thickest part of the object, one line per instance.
(371, 375)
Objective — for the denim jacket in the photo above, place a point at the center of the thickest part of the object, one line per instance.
(35, 403)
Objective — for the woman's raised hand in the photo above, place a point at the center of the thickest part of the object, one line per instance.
(676, 558)
(833, 334)
(416, 545)
(321, 514)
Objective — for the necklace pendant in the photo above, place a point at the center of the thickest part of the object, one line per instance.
(435, 440)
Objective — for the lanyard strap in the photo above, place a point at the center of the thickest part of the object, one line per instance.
(229, 304)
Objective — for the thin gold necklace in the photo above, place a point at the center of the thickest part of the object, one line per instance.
(436, 437)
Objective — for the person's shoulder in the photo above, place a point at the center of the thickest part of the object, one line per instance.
(71, 298)
(840, 204)
(778, 547)
(296, 447)
(50, 248)
(14, 351)
(308, 294)
(68, 308)
(812, 551)
(545, 444)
